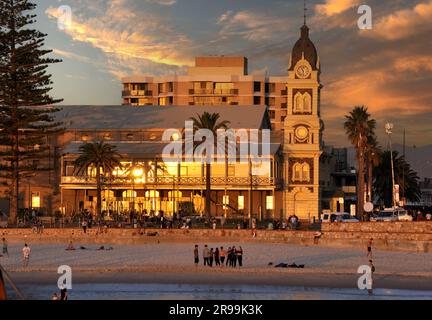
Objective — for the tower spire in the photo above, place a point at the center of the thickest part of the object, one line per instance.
(305, 11)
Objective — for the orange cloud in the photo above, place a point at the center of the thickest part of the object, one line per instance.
(403, 23)
(113, 33)
(334, 7)
(415, 63)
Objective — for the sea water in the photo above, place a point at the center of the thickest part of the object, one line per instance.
(214, 292)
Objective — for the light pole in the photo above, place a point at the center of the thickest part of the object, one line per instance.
(389, 127)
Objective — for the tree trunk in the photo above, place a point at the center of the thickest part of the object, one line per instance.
(208, 190)
(370, 182)
(14, 187)
(99, 193)
(360, 184)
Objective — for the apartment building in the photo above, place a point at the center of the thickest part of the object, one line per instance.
(213, 81)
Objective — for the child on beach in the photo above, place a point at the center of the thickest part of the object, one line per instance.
(239, 254)
(26, 255)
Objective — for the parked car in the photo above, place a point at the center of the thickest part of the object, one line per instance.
(338, 217)
(392, 214)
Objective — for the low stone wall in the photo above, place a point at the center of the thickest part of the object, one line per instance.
(399, 236)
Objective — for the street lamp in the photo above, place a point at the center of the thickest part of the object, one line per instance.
(388, 128)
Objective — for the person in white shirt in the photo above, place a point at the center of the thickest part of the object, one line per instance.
(26, 255)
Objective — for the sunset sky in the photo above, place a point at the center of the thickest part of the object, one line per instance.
(388, 68)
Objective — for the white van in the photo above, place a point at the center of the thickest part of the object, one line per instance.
(392, 214)
(338, 217)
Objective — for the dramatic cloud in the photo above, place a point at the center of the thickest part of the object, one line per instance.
(121, 31)
(404, 23)
(334, 7)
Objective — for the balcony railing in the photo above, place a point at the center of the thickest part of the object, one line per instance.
(140, 93)
(225, 92)
(170, 180)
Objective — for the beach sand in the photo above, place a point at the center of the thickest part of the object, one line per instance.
(173, 263)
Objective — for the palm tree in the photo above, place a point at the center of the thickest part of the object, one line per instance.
(209, 121)
(373, 159)
(97, 155)
(405, 177)
(358, 126)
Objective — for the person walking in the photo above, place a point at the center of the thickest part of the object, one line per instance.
(216, 256)
(84, 226)
(196, 256)
(206, 253)
(211, 255)
(26, 255)
(222, 255)
(239, 254)
(369, 248)
(5, 247)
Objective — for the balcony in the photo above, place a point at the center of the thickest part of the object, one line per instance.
(223, 92)
(169, 181)
(137, 93)
(349, 189)
(284, 92)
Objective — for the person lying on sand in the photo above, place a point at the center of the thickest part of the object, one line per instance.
(70, 246)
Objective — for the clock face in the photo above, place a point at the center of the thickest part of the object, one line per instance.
(303, 72)
(301, 133)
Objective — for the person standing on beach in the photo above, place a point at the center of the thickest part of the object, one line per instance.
(370, 280)
(222, 255)
(233, 257)
(84, 226)
(228, 259)
(63, 293)
(239, 254)
(196, 256)
(216, 257)
(26, 255)
(5, 247)
(369, 248)
(211, 254)
(206, 253)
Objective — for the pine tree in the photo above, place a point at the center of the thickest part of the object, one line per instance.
(26, 108)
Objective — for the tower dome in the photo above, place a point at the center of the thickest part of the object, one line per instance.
(304, 49)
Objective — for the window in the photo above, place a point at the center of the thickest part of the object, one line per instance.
(302, 103)
(298, 107)
(257, 100)
(240, 201)
(269, 203)
(35, 198)
(272, 87)
(225, 201)
(301, 172)
(231, 170)
(272, 114)
(257, 86)
(272, 101)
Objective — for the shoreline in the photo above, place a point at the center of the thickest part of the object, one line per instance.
(251, 277)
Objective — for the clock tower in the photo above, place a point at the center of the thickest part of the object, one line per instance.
(303, 131)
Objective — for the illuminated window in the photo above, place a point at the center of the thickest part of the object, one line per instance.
(225, 201)
(301, 172)
(35, 200)
(298, 107)
(129, 194)
(152, 194)
(269, 203)
(240, 201)
(305, 172)
(297, 172)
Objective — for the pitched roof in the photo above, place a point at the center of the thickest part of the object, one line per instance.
(157, 117)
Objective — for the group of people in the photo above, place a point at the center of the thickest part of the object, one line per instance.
(25, 251)
(219, 256)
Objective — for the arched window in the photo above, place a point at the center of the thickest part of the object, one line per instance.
(298, 103)
(305, 172)
(301, 172)
(307, 103)
(297, 172)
